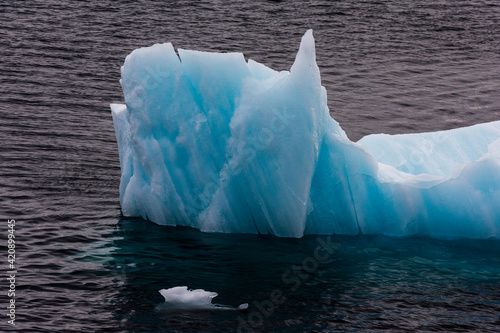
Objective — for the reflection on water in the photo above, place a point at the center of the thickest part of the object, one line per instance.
(302, 284)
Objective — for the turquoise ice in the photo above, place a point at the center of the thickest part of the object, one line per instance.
(211, 141)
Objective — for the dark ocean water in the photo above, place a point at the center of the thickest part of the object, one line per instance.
(388, 66)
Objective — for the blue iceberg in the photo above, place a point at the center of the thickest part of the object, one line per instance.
(211, 141)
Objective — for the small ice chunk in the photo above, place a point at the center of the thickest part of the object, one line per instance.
(181, 298)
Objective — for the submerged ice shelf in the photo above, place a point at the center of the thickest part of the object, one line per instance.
(217, 143)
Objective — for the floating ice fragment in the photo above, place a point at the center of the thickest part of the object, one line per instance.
(181, 298)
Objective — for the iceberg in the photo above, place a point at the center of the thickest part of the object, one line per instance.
(218, 143)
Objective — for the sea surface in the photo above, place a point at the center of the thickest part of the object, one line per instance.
(392, 66)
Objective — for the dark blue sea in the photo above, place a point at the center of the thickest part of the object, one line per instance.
(392, 66)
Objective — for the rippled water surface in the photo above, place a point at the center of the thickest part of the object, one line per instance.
(388, 66)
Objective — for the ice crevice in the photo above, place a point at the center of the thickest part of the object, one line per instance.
(211, 141)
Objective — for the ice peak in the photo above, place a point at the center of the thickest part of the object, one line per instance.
(305, 60)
